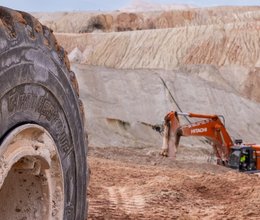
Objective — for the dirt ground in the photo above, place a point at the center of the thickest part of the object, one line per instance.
(129, 183)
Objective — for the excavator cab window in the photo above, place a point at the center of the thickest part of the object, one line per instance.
(252, 159)
(234, 159)
(243, 158)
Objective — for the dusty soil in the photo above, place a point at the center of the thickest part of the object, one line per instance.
(128, 183)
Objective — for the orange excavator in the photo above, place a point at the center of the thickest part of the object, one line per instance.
(237, 155)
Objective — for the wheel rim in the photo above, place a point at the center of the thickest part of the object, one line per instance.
(31, 178)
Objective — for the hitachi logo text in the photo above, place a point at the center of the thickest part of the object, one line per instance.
(199, 130)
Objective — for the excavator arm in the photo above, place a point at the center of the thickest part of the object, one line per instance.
(210, 127)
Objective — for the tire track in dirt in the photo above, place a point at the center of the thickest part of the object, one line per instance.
(127, 199)
(127, 186)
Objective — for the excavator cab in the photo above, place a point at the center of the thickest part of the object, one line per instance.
(242, 158)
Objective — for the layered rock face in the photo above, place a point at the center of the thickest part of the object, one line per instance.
(82, 22)
(208, 58)
(220, 45)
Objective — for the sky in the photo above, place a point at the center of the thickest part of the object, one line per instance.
(107, 5)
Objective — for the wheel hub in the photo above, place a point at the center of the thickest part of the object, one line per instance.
(31, 178)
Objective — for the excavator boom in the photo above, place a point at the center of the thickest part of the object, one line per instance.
(210, 127)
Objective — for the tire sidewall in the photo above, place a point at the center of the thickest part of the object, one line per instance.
(35, 88)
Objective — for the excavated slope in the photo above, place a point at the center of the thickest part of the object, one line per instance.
(233, 47)
(232, 44)
(121, 104)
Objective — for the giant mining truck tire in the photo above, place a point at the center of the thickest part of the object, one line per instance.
(43, 143)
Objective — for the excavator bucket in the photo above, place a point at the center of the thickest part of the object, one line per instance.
(170, 136)
(173, 144)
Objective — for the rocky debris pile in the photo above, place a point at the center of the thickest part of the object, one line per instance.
(75, 56)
